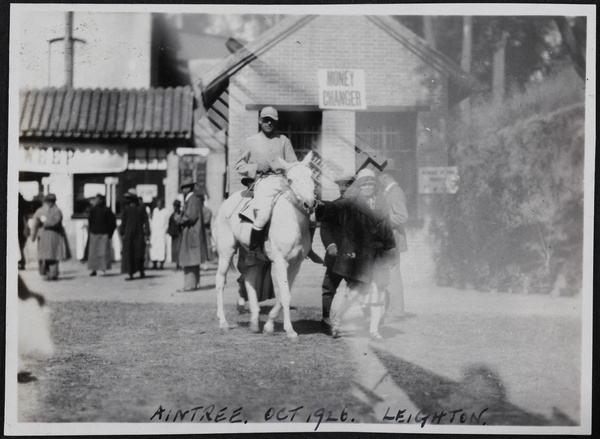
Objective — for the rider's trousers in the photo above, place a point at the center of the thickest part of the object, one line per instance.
(266, 189)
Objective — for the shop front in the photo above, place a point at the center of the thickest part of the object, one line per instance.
(117, 141)
(361, 91)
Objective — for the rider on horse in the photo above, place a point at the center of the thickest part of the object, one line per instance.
(258, 160)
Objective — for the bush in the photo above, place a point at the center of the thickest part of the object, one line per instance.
(516, 223)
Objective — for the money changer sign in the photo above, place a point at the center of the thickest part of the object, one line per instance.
(342, 89)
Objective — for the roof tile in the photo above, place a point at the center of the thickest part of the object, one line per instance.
(106, 113)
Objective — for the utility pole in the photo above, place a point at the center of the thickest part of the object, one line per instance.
(69, 48)
(465, 61)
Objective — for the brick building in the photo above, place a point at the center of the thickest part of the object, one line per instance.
(342, 82)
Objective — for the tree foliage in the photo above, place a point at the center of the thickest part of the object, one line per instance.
(534, 46)
(517, 221)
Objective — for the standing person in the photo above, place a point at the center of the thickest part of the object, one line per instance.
(174, 231)
(50, 235)
(22, 229)
(394, 208)
(191, 255)
(101, 226)
(366, 249)
(207, 215)
(158, 235)
(134, 233)
(331, 235)
(258, 159)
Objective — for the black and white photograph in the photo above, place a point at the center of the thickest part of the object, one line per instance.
(355, 218)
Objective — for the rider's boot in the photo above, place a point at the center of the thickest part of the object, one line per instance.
(255, 246)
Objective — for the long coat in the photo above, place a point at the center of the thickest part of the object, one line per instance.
(394, 209)
(134, 232)
(367, 243)
(102, 224)
(331, 227)
(158, 239)
(50, 235)
(192, 250)
(174, 230)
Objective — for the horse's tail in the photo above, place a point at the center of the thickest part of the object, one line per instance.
(218, 227)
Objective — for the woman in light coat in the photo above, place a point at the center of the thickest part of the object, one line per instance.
(50, 235)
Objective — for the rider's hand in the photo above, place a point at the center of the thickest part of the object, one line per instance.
(332, 250)
(263, 167)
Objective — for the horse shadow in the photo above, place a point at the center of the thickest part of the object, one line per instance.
(481, 388)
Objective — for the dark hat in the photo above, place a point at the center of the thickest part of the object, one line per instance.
(177, 202)
(345, 179)
(50, 197)
(247, 181)
(131, 193)
(187, 182)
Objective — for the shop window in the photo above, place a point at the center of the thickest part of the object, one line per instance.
(303, 128)
(393, 135)
(85, 188)
(141, 159)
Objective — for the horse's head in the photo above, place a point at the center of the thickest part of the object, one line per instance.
(299, 176)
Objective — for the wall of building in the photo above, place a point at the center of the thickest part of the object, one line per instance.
(395, 77)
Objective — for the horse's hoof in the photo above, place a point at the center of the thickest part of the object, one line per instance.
(292, 336)
(254, 327)
(269, 329)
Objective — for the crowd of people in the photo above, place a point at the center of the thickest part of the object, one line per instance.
(143, 232)
(363, 232)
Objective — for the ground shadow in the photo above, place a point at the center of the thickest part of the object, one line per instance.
(480, 389)
(60, 277)
(146, 277)
(306, 327)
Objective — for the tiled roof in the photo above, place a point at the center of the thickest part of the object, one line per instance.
(107, 113)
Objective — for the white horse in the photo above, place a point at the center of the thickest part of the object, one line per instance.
(287, 245)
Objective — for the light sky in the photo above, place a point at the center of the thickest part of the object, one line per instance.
(119, 58)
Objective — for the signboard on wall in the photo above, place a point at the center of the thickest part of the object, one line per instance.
(193, 166)
(88, 158)
(438, 180)
(342, 89)
(148, 192)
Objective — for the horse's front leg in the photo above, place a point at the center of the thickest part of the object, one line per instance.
(220, 278)
(284, 281)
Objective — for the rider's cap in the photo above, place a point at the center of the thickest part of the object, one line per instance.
(50, 197)
(269, 112)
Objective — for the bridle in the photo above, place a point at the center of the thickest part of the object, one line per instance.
(293, 197)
